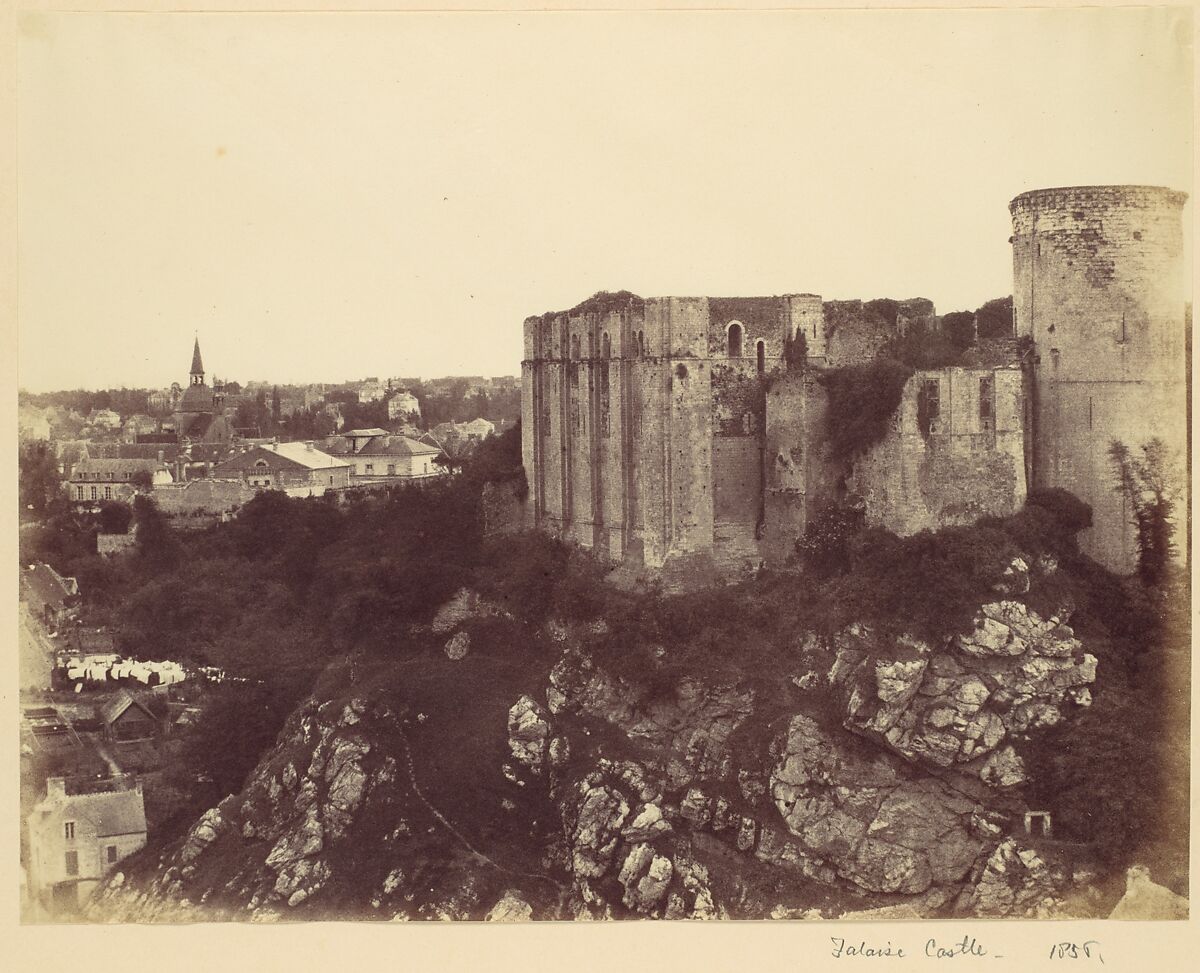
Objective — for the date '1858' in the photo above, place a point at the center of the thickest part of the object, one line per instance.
(1086, 950)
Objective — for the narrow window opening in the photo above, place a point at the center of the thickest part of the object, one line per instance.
(762, 358)
(734, 341)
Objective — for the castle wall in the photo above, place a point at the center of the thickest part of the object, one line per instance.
(1098, 284)
(949, 463)
(799, 480)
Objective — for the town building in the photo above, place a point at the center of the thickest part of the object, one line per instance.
(126, 718)
(50, 598)
(32, 424)
(376, 453)
(76, 839)
(93, 480)
(137, 426)
(692, 431)
(200, 415)
(298, 469)
(403, 405)
(372, 390)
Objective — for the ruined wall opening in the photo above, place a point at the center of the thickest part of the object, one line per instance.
(733, 339)
(761, 351)
(929, 406)
(606, 346)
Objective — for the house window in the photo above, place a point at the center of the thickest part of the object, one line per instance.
(110, 854)
(370, 468)
(69, 830)
(734, 341)
(331, 481)
(72, 862)
(79, 493)
(261, 464)
(391, 469)
(93, 493)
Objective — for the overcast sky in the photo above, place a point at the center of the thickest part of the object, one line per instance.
(325, 197)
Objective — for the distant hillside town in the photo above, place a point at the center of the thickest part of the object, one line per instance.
(202, 449)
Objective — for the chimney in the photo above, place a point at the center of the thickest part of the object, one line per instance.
(56, 787)
(161, 456)
(309, 444)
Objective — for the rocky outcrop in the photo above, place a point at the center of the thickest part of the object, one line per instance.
(878, 776)
(281, 830)
(864, 820)
(958, 705)
(528, 733)
(1145, 899)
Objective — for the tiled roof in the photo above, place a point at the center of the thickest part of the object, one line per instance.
(115, 813)
(109, 465)
(396, 446)
(119, 704)
(363, 433)
(44, 587)
(293, 454)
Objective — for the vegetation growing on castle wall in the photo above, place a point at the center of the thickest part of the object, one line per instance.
(863, 399)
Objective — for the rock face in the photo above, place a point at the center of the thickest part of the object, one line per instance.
(957, 705)
(878, 777)
(528, 733)
(1145, 899)
(458, 645)
(282, 829)
(864, 820)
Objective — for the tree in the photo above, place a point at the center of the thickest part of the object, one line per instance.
(1149, 484)
(142, 479)
(115, 517)
(38, 472)
(156, 542)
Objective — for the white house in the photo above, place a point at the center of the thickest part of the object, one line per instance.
(75, 840)
(376, 453)
(402, 405)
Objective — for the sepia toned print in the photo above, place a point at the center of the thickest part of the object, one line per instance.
(807, 605)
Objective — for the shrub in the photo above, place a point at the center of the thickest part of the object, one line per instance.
(1071, 513)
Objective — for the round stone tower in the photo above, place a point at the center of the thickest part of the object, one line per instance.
(1099, 287)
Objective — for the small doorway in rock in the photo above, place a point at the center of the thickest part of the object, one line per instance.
(1037, 824)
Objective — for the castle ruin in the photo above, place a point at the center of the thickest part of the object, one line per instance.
(693, 432)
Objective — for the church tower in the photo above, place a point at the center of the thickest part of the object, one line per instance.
(197, 365)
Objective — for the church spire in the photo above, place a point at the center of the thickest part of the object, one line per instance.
(197, 365)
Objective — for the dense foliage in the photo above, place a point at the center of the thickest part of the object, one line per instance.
(1150, 486)
(863, 398)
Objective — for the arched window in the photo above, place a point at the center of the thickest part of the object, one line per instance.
(261, 464)
(762, 358)
(734, 333)
(606, 346)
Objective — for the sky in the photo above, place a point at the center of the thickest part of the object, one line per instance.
(332, 196)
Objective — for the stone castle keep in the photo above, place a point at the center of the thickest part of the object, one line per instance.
(681, 432)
